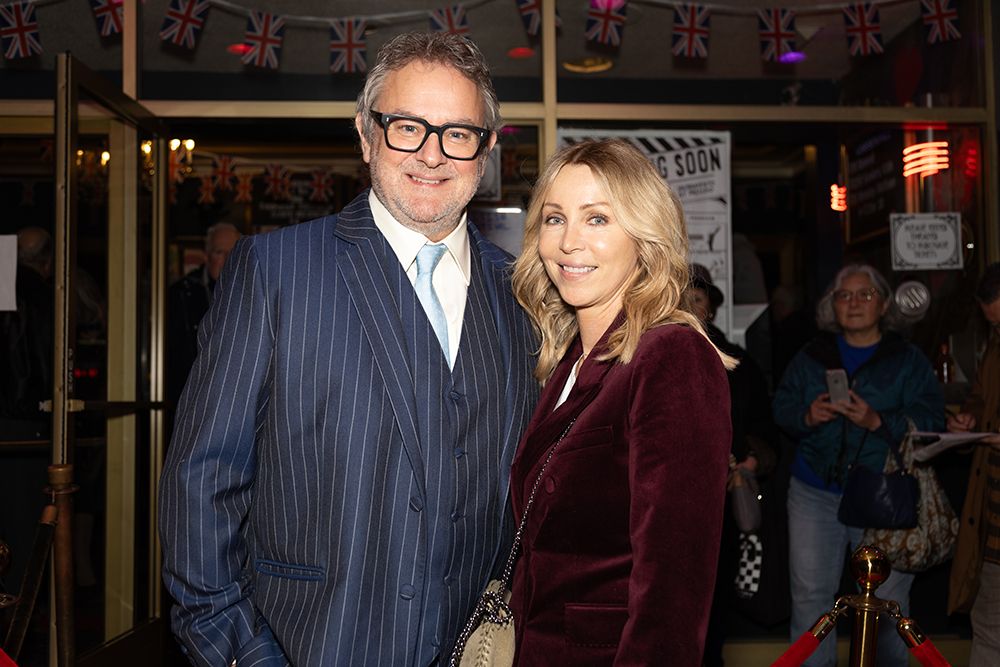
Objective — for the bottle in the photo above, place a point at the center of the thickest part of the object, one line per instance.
(944, 365)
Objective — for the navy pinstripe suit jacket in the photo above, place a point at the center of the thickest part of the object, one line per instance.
(290, 502)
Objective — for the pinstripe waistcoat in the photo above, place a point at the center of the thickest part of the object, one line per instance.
(333, 494)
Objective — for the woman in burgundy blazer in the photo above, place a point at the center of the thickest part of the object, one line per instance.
(619, 552)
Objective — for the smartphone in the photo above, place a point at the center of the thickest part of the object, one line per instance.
(836, 384)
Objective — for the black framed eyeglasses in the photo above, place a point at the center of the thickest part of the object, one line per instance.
(408, 134)
(844, 295)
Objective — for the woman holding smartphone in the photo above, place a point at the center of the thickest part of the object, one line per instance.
(889, 384)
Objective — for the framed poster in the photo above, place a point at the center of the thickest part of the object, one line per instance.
(929, 241)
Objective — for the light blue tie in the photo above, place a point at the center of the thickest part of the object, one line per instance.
(427, 260)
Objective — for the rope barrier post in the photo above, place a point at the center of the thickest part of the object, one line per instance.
(921, 647)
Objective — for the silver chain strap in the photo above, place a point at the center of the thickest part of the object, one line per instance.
(491, 605)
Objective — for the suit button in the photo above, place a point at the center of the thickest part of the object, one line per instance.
(449, 580)
(456, 515)
(550, 484)
(407, 592)
(459, 452)
(416, 503)
(454, 395)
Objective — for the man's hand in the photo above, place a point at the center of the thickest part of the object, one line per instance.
(820, 411)
(859, 412)
(963, 422)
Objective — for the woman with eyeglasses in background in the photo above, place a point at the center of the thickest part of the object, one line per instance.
(891, 383)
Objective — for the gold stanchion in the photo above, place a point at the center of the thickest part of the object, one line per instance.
(61, 488)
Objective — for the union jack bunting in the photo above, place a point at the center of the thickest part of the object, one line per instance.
(605, 21)
(321, 186)
(176, 169)
(184, 21)
(531, 15)
(347, 46)
(691, 24)
(450, 19)
(206, 191)
(109, 16)
(19, 31)
(278, 181)
(941, 19)
(864, 30)
(222, 172)
(244, 188)
(777, 33)
(265, 33)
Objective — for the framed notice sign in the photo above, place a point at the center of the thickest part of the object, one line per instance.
(926, 241)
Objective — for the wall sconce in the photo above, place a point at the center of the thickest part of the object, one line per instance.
(926, 159)
(838, 197)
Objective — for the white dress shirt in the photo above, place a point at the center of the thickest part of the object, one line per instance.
(452, 274)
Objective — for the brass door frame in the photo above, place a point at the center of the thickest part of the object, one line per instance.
(73, 79)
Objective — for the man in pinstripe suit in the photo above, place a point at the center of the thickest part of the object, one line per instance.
(336, 488)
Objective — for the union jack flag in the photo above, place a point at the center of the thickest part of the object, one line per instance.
(450, 19)
(347, 46)
(279, 182)
(244, 188)
(864, 30)
(777, 33)
(605, 21)
(265, 33)
(531, 15)
(19, 31)
(691, 23)
(109, 16)
(183, 23)
(176, 168)
(941, 19)
(321, 186)
(222, 172)
(206, 191)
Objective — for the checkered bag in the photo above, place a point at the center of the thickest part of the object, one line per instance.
(751, 565)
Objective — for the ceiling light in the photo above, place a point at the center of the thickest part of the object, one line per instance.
(520, 52)
(590, 65)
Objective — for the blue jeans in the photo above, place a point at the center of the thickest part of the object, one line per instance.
(817, 542)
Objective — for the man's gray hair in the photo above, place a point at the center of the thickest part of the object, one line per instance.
(826, 317)
(215, 229)
(438, 48)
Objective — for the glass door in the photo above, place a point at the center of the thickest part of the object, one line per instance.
(107, 409)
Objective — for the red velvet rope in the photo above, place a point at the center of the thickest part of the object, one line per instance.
(5, 660)
(799, 651)
(928, 655)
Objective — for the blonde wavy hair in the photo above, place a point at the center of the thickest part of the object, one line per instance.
(651, 215)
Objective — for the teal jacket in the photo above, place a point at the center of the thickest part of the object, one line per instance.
(897, 382)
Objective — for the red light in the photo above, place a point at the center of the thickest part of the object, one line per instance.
(838, 197)
(238, 49)
(926, 159)
(91, 372)
(77, 373)
(520, 52)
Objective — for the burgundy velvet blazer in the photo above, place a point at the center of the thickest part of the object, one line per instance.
(619, 554)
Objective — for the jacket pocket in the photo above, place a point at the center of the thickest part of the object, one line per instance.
(288, 570)
(593, 437)
(594, 624)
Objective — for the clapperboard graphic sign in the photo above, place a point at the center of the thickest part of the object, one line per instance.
(696, 164)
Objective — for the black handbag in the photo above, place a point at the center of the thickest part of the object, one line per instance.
(876, 499)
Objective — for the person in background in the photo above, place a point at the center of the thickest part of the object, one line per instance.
(975, 570)
(619, 553)
(187, 303)
(752, 448)
(891, 386)
(336, 490)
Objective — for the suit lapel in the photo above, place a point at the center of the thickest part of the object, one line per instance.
(362, 264)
